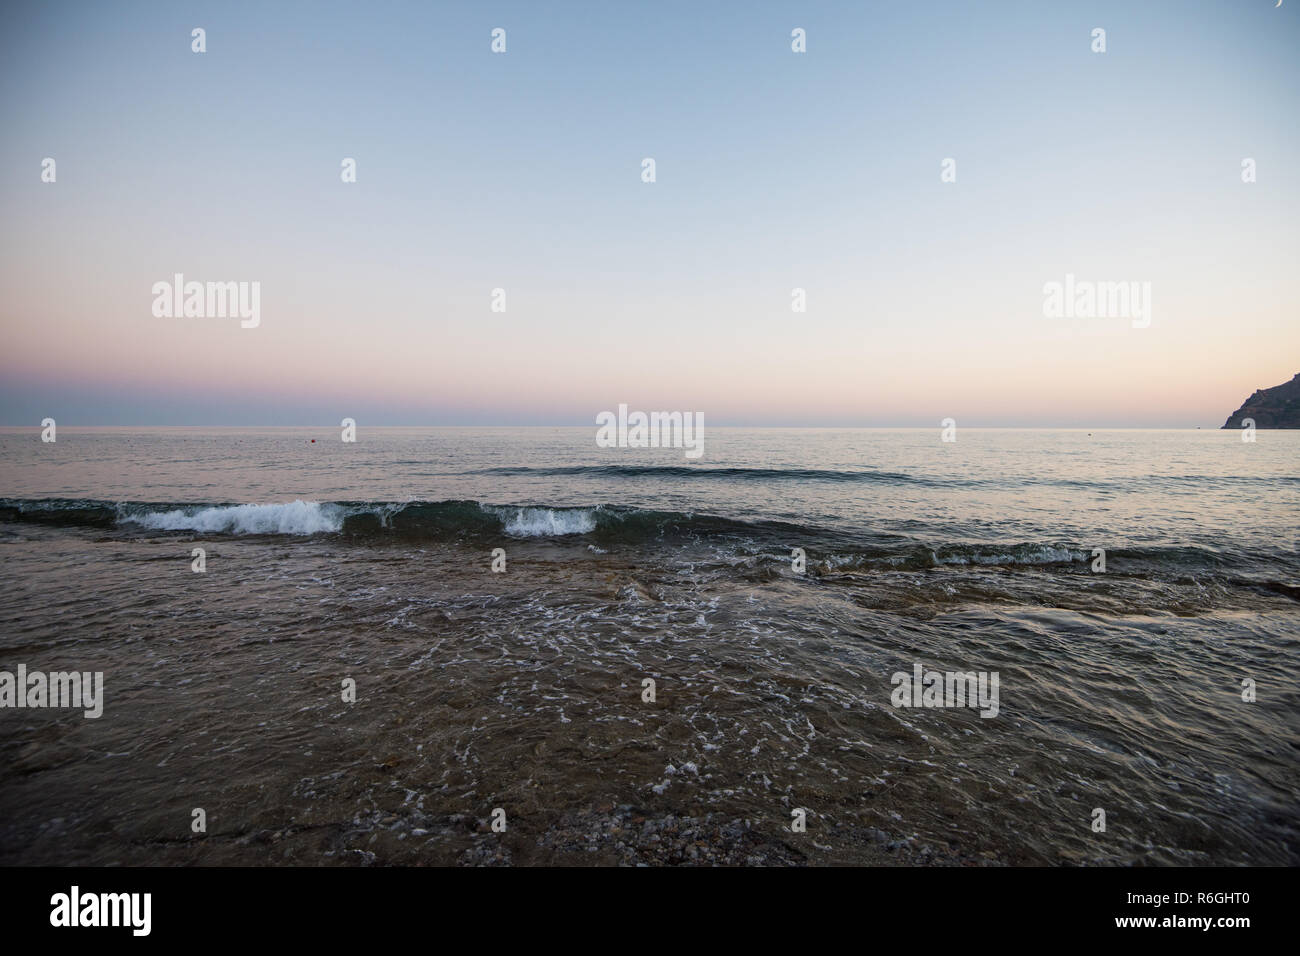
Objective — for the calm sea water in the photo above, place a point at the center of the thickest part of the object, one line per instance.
(523, 689)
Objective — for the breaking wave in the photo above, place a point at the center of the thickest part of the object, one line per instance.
(768, 541)
(296, 517)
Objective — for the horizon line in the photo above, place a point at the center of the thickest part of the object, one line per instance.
(359, 425)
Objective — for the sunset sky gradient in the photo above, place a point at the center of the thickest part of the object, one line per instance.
(522, 171)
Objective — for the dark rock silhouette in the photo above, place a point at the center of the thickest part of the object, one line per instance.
(1276, 407)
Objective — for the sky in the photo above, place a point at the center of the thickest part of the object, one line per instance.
(522, 171)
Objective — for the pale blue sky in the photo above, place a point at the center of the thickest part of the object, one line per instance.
(775, 170)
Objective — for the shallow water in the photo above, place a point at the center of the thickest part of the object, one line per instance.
(523, 689)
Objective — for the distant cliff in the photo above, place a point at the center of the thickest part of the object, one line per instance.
(1276, 407)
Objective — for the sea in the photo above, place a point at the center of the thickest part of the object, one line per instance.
(496, 646)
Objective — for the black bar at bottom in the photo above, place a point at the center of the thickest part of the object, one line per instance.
(336, 905)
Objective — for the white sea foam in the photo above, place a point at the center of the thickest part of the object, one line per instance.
(295, 517)
(544, 522)
(1043, 555)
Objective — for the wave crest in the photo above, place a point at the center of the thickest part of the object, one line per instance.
(546, 522)
(296, 517)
